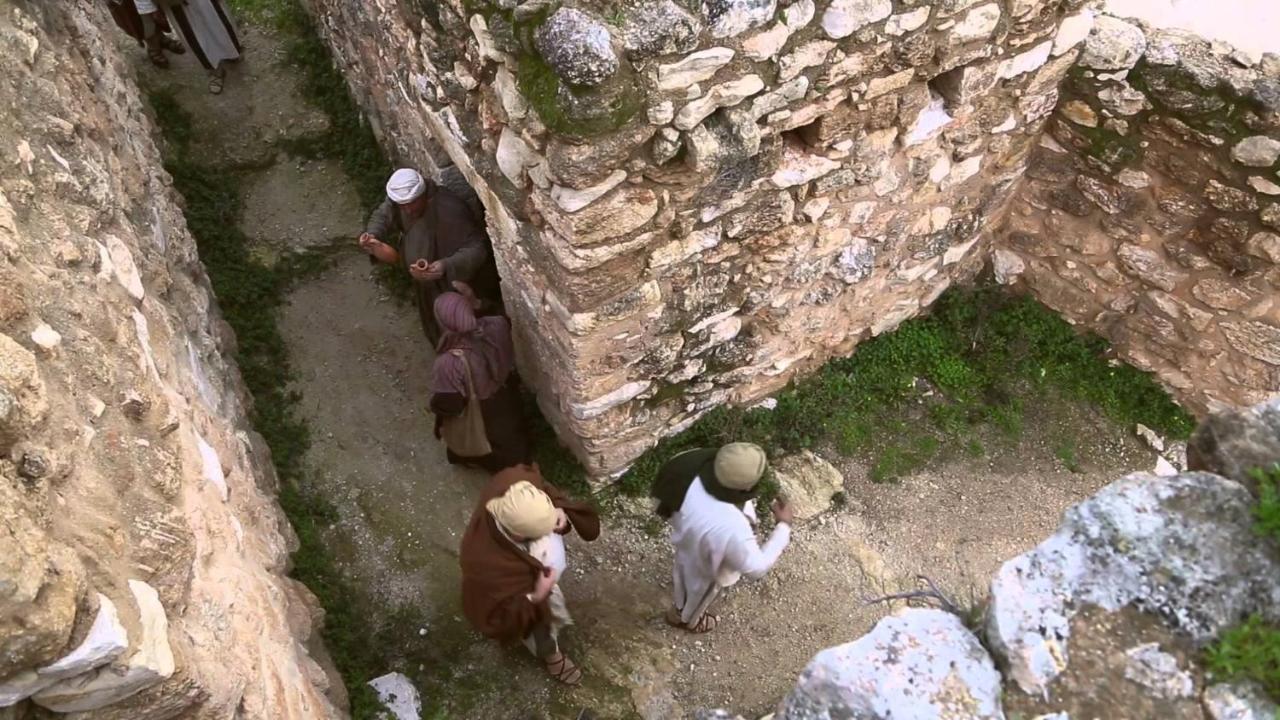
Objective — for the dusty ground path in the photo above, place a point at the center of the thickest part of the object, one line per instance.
(362, 364)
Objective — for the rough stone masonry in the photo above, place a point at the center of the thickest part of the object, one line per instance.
(142, 555)
(693, 203)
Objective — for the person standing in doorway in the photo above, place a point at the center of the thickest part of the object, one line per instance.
(441, 242)
(708, 495)
(208, 31)
(512, 558)
(474, 371)
(143, 21)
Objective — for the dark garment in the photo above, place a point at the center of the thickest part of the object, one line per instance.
(127, 19)
(211, 23)
(677, 474)
(498, 576)
(504, 425)
(447, 230)
(544, 643)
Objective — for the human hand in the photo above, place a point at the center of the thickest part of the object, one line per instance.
(368, 242)
(465, 291)
(435, 270)
(419, 270)
(562, 522)
(782, 512)
(542, 587)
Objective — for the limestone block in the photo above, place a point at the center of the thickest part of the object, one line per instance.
(1256, 339)
(514, 157)
(906, 22)
(571, 200)
(123, 268)
(798, 14)
(1229, 199)
(620, 212)
(1113, 44)
(23, 404)
(1265, 245)
(659, 27)
(693, 68)
(978, 24)
(598, 406)
(965, 84)
(798, 167)
(917, 663)
(1007, 265)
(105, 641)
(931, 121)
(1140, 537)
(843, 18)
(1072, 31)
(1256, 151)
(808, 483)
(1148, 266)
(1026, 62)
(724, 95)
(765, 45)
(879, 86)
(212, 468)
(577, 46)
(809, 55)
(151, 662)
(728, 18)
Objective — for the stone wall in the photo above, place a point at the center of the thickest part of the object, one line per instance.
(1151, 209)
(143, 556)
(692, 204)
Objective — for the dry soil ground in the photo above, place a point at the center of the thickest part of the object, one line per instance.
(362, 367)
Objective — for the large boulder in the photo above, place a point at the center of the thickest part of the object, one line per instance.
(808, 483)
(1182, 548)
(916, 664)
(578, 47)
(1234, 442)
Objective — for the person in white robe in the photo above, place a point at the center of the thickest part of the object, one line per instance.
(708, 497)
(207, 29)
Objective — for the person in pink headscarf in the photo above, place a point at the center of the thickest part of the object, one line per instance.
(484, 345)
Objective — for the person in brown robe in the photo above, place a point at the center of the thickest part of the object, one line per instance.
(441, 242)
(150, 29)
(505, 591)
(483, 346)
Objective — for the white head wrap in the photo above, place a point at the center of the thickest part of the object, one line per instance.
(405, 186)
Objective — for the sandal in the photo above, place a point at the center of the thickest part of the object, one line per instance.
(563, 670)
(705, 624)
(155, 53)
(172, 45)
(216, 80)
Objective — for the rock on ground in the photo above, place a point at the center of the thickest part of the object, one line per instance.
(808, 483)
(1181, 547)
(398, 694)
(1239, 701)
(1234, 442)
(916, 664)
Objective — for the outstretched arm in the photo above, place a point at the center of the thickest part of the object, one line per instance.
(753, 560)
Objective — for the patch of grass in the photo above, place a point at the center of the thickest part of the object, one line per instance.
(1266, 512)
(349, 138)
(1066, 452)
(985, 354)
(1250, 651)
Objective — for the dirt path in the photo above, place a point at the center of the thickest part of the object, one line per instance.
(362, 367)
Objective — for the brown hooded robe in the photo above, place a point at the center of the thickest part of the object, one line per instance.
(496, 574)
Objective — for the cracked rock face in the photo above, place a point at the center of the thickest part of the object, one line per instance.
(916, 664)
(578, 48)
(1181, 548)
(728, 18)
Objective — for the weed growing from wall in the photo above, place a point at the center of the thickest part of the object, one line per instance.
(1250, 651)
(1267, 511)
(980, 359)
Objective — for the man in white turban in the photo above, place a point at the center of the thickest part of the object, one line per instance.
(708, 496)
(441, 242)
